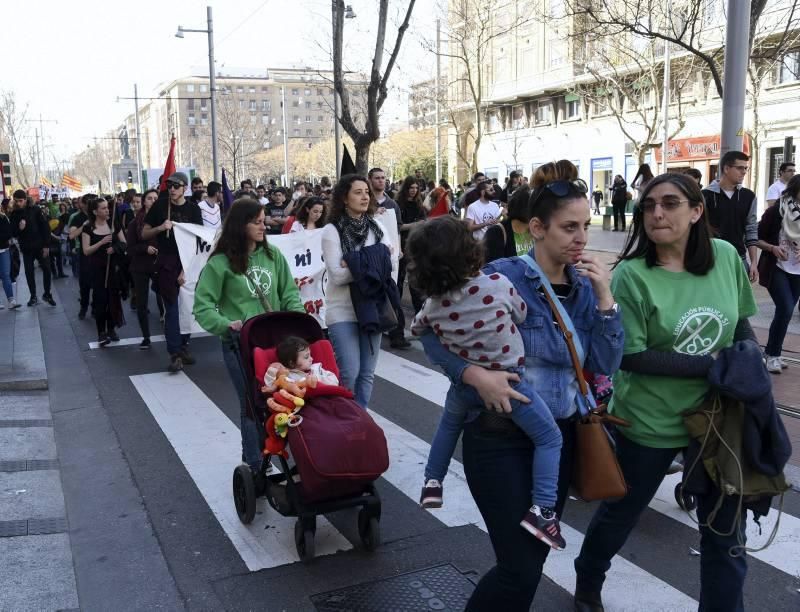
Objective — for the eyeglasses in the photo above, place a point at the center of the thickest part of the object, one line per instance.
(668, 204)
(175, 186)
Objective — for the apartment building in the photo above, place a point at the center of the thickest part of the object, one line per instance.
(548, 94)
(250, 117)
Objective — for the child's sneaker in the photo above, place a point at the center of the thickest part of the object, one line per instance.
(431, 494)
(543, 523)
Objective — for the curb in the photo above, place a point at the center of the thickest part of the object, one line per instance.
(34, 384)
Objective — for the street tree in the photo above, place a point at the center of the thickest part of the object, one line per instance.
(697, 29)
(364, 134)
(16, 136)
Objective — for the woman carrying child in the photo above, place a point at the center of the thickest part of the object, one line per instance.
(244, 277)
(476, 317)
(497, 454)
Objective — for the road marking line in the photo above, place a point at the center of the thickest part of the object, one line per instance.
(783, 554)
(131, 341)
(209, 445)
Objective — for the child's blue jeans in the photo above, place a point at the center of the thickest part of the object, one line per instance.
(535, 419)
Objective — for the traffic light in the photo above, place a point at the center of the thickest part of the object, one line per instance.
(5, 160)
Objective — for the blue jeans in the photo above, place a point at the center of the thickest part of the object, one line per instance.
(498, 469)
(784, 289)
(251, 440)
(721, 575)
(5, 273)
(535, 419)
(176, 341)
(356, 355)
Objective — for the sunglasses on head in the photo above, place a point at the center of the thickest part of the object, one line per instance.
(562, 189)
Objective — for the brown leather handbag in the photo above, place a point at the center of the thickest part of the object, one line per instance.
(596, 474)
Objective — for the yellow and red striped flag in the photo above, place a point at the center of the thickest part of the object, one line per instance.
(71, 182)
(44, 181)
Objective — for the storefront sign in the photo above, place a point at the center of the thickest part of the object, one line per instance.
(702, 147)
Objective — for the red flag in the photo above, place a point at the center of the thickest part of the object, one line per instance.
(169, 169)
(441, 206)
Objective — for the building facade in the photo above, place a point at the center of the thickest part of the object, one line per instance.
(547, 95)
(250, 116)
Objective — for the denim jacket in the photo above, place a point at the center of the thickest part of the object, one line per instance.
(548, 368)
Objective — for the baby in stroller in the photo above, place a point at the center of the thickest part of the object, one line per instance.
(295, 362)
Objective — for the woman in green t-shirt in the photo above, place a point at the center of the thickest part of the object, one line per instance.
(241, 274)
(685, 296)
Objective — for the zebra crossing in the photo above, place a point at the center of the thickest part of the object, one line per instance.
(208, 444)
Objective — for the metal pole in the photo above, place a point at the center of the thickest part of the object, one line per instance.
(436, 102)
(140, 180)
(285, 137)
(36, 179)
(213, 86)
(667, 70)
(737, 53)
(788, 149)
(337, 134)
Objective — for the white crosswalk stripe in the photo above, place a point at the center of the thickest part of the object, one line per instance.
(187, 415)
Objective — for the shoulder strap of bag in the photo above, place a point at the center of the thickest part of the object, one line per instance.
(565, 324)
(261, 297)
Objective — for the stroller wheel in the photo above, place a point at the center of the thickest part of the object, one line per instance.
(304, 540)
(244, 493)
(686, 501)
(369, 529)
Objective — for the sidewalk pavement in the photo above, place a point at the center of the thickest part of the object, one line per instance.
(36, 565)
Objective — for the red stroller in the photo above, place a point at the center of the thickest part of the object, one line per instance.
(338, 451)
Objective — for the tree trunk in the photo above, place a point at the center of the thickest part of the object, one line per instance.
(362, 156)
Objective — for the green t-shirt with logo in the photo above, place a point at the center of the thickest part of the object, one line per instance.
(222, 296)
(680, 312)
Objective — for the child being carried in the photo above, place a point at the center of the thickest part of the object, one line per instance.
(475, 317)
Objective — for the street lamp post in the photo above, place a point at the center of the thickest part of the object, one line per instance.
(337, 129)
(737, 53)
(212, 84)
(140, 180)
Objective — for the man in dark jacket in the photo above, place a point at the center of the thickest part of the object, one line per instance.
(33, 234)
(732, 209)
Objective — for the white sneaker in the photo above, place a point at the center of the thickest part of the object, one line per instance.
(13, 304)
(784, 365)
(774, 365)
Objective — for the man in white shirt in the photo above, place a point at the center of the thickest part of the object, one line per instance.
(776, 189)
(483, 212)
(261, 192)
(210, 206)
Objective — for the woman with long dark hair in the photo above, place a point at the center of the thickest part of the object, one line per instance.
(244, 277)
(143, 255)
(310, 214)
(642, 179)
(351, 227)
(102, 245)
(412, 214)
(685, 297)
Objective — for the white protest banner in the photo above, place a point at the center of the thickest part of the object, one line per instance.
(302, 250)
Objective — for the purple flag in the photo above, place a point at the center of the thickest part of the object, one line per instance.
(227, 195)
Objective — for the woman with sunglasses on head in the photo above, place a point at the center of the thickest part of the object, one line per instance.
(497, 454)
(685, 297)
(310, 214)
(245, 276)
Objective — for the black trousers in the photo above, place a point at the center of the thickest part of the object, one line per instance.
(142, 282)
(619, 214)
(56, 260)
(28, 259)
(416, 300)
(84, 280)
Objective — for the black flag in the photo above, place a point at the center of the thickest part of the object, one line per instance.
(348, 167)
